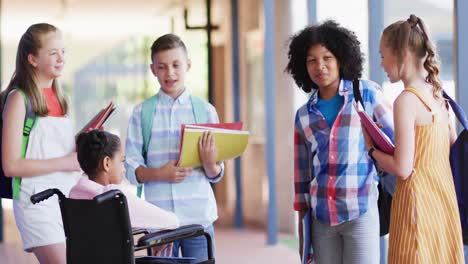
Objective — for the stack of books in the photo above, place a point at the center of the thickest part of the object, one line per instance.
(230, 141)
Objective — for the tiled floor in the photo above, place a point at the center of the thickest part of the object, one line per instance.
(232, 247)
(10, 250)
(249, 246)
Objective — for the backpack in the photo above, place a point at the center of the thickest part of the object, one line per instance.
(384, 201)
(459, 165)
(147, 115)
(9, 186)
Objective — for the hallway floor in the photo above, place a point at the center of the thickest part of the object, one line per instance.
(232, 246)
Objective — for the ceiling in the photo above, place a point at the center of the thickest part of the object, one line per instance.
(91, 27)
(91, 17)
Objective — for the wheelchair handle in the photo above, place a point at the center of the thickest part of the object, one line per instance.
(39, 197)
(107, 196)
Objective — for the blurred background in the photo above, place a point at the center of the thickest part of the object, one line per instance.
(238, 50)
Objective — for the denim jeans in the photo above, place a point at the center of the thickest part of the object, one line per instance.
(195, 247)
(353, 242)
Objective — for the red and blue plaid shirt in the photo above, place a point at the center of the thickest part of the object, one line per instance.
(333, 174)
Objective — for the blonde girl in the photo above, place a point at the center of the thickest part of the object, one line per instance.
(425, 224)
(50, 160)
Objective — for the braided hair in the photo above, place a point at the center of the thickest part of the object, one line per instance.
(413, 35)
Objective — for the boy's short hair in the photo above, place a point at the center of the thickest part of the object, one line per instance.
(167, 42)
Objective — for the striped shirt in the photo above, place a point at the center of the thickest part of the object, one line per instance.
(333, 174)
(425, 223)
(192, 200)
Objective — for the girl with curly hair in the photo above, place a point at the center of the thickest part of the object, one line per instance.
(425, 223)
(334, 176)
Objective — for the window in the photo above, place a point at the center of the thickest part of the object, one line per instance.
(438, 16)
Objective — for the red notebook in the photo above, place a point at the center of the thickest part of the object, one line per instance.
(99, 119)
(381, 141)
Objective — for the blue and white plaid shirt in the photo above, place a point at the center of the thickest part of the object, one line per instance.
(192, 200)
(333, 174)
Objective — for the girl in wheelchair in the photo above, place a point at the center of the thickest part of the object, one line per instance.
(101, 157)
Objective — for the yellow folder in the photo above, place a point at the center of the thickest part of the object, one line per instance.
(230, 144)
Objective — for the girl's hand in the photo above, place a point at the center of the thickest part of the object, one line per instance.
(207, 150)
(70, 162)
(172, 173)
(163, 250)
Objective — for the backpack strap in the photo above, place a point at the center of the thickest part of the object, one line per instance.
(29, 123)
(147, 116)
(199, 110)
(461, 116)
(357, 93)
(457, 159)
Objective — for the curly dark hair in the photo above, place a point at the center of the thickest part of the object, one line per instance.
(340, 41)
(92, 147)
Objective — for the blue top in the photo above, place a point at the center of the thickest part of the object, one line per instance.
(330, 108)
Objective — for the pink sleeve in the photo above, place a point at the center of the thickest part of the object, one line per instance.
(146, 215)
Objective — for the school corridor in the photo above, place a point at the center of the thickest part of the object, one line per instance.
(238, 53)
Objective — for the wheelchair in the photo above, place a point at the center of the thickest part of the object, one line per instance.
(99, 231)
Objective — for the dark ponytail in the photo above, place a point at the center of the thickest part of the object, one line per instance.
(92, 147)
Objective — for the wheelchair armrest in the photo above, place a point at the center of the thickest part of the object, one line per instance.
(169, 236)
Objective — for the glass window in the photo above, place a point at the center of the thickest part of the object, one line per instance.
(438, 16)
(255, 74)
(299, 21)
(107, 59)
(350, 15)
(252, 42)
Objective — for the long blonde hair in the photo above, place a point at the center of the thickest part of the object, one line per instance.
(23, 77)
(412, 35)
